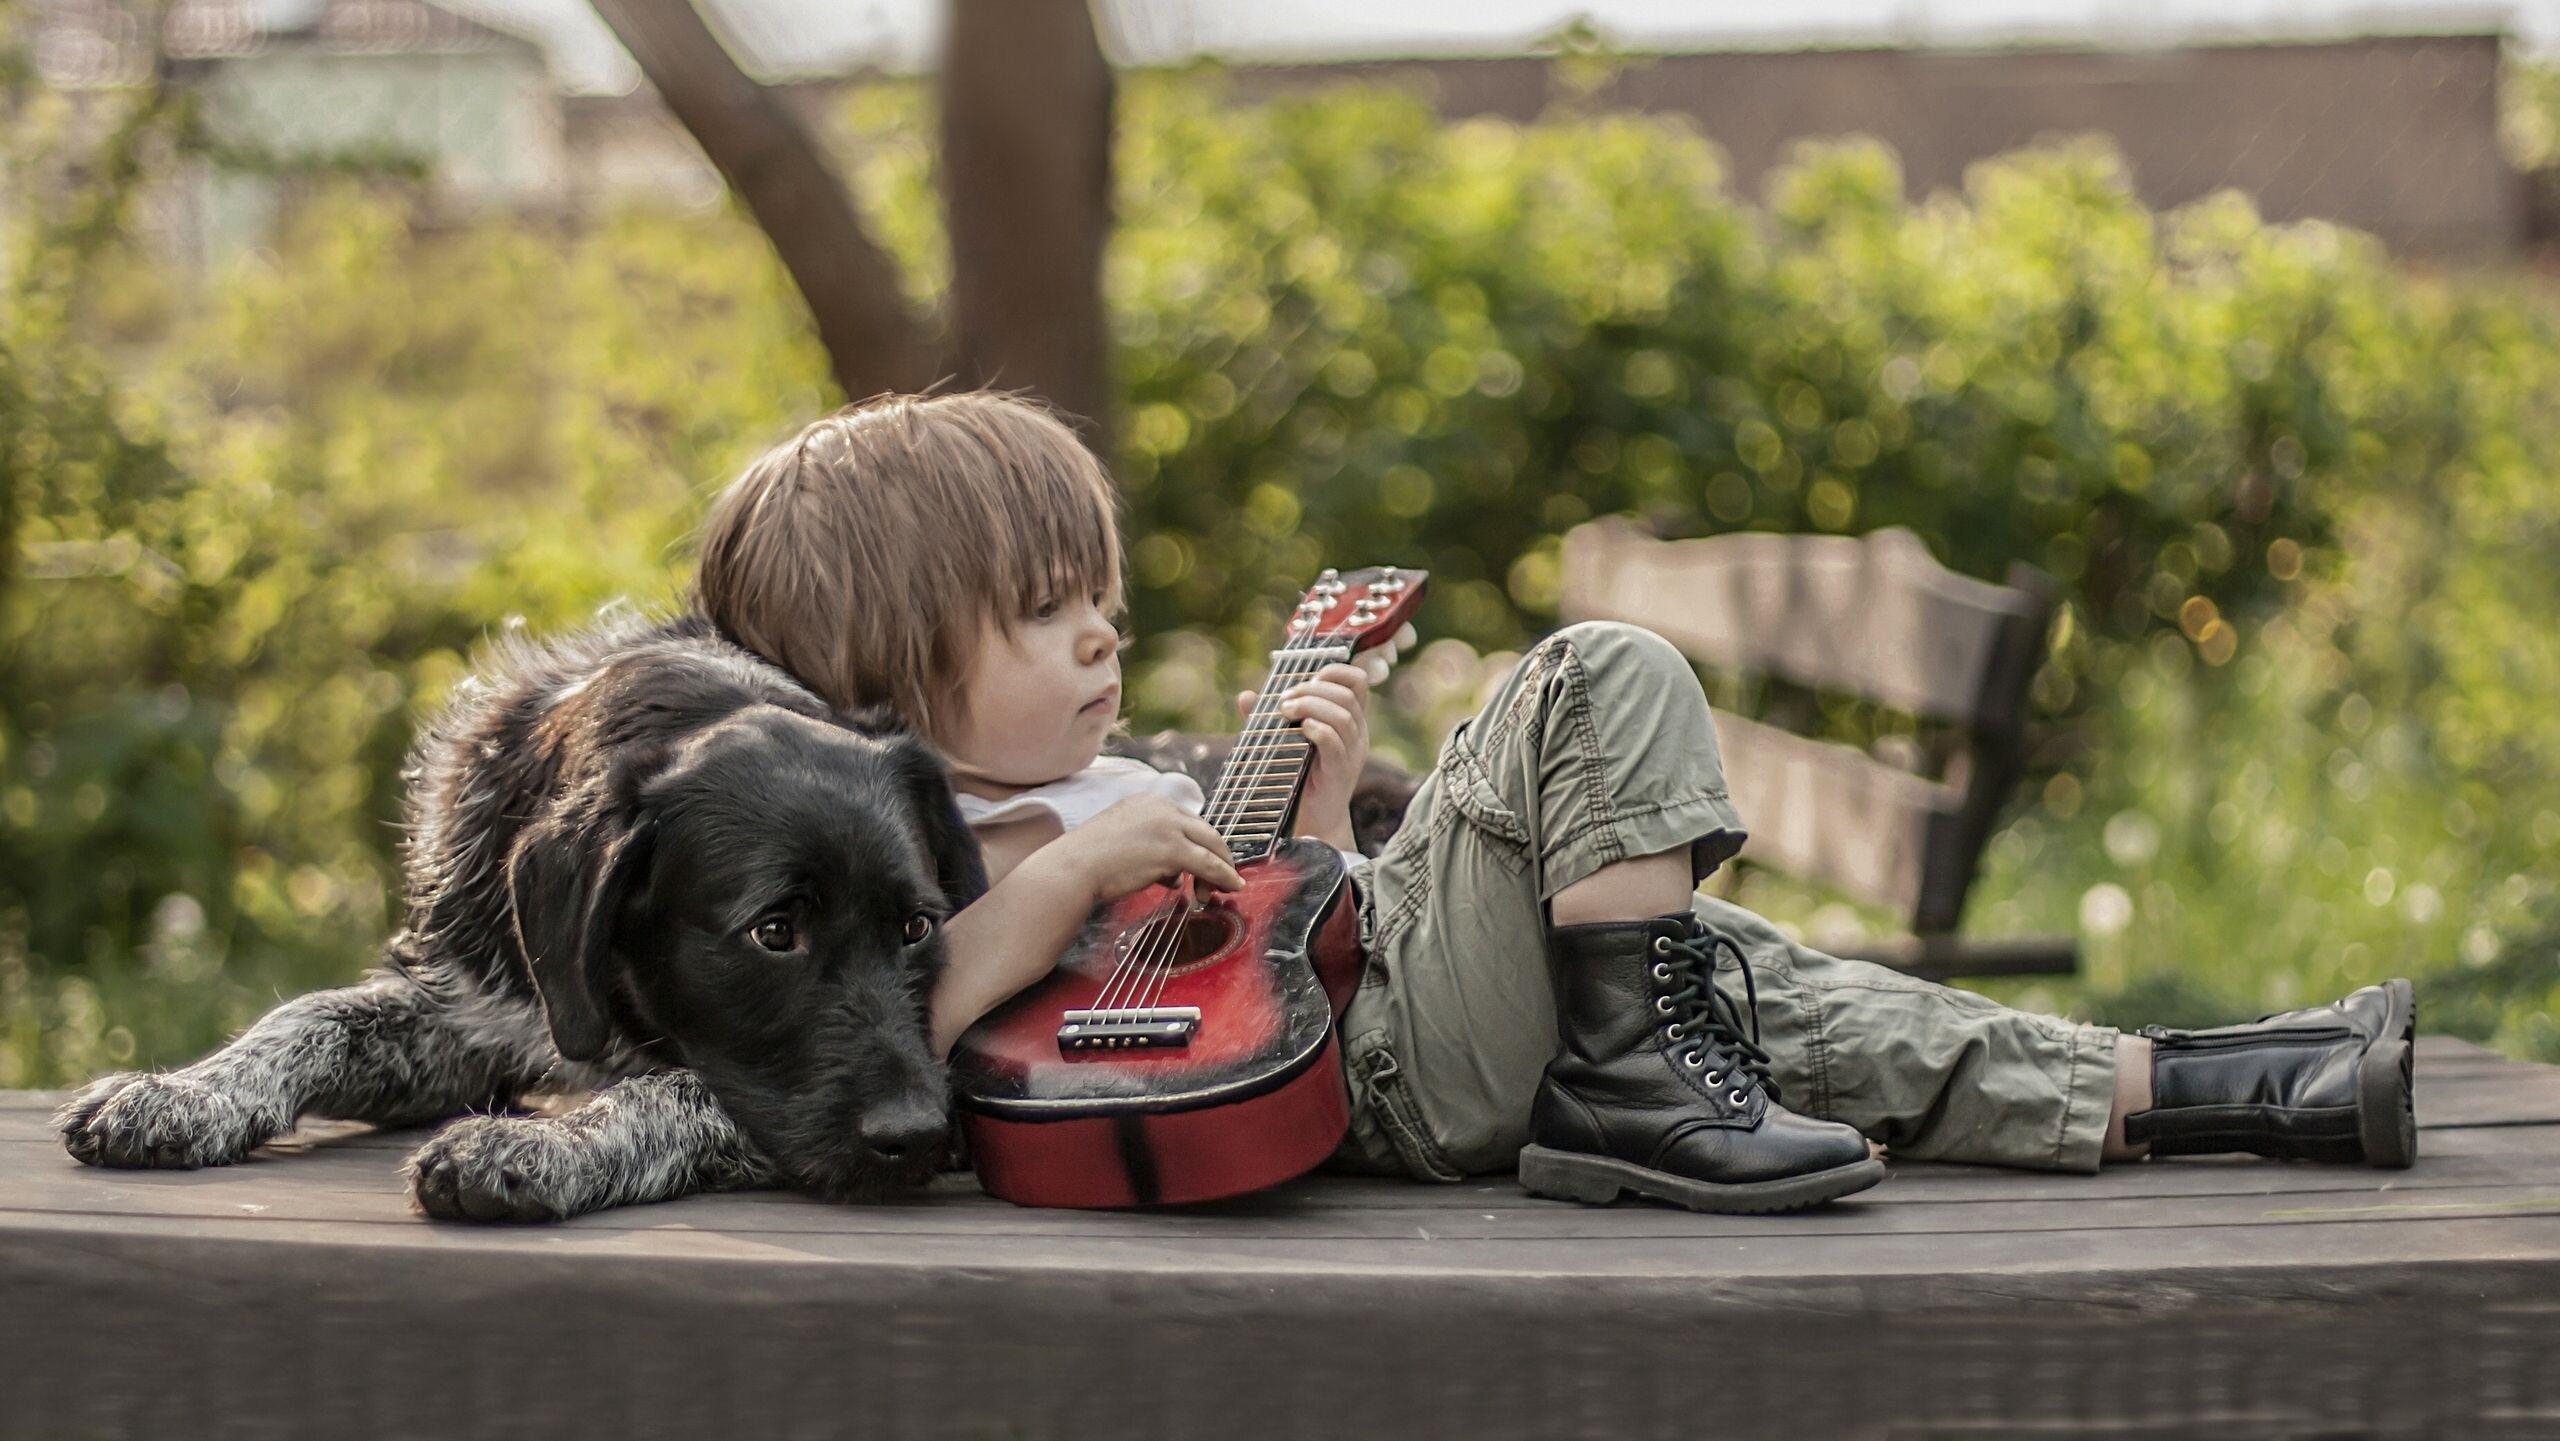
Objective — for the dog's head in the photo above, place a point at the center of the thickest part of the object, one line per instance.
(766, 897)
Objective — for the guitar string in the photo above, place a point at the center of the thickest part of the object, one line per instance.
(1281, 737)
(1156, 962)
(1152, 953)
(1148, 967)
(1257, 752)
(1264, 754)
(1154, 950)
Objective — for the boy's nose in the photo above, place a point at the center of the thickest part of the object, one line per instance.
(1100, 643)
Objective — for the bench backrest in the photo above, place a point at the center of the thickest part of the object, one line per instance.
(1872, 616)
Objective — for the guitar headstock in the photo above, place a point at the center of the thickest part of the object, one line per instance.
(1360, 609)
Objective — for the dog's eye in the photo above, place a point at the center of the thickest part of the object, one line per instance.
(919, 926)
(775, 934)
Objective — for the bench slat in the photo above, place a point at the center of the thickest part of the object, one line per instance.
(1826, 813)
(1872, 615)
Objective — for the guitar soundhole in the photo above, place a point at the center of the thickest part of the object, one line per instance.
(1178, 945)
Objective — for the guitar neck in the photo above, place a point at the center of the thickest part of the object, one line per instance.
(1257, 792)
(1340, 615)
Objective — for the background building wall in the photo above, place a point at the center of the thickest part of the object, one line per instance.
(2397, 135)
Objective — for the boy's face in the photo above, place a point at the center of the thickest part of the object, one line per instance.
(1040, 701)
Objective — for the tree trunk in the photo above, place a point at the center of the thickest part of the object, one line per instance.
(776, 166)
(1026, 167)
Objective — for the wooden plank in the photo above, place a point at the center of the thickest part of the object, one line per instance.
(342, 1183)
(2191, 1297)
(1883, 1213)
(566, 1331)
(1875, 615)
(2478, 1156)
(1916, 1199)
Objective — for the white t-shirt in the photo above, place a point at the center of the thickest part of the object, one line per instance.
(1080, 797)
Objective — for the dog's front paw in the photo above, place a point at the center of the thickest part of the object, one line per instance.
(501, 1168)
(165, 1120)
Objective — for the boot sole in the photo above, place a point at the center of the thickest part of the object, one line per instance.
(1599, 1180)
(2386, 1116)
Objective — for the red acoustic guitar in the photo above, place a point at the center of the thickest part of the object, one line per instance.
(1183, 1049)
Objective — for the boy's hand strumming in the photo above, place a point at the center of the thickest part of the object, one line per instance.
(1133, 843)
(1332, 708)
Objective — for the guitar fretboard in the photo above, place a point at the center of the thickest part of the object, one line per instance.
(1258, 789)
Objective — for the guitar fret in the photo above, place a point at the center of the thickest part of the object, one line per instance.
(1253, 797)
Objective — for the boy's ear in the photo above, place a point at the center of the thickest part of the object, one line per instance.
(568, 877)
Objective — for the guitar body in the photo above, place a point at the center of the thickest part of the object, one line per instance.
(1183, 1047)
(1254, 1097)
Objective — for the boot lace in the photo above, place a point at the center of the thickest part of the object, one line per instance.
(1686, 997)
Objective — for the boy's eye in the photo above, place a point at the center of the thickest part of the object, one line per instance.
(1049, 607)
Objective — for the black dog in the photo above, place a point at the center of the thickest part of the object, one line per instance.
(642, 860)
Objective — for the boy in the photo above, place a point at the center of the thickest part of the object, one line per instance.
(1545, 987)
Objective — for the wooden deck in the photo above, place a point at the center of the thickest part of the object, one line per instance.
(294, 1295)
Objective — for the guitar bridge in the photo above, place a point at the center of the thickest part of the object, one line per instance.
(1128, 1028)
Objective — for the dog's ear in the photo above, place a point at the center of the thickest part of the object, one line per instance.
(567, 878)
(957, 864)
(958, 867)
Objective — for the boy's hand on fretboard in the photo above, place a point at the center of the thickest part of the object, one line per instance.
(1331, 708)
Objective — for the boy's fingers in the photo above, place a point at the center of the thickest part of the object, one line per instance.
(1373, 665)
(1319, 694)
(1213, 863)
(1318, 711)
(1218, 869)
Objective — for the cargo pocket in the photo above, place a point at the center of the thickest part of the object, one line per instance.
(1390, 1103)
(1468, 786)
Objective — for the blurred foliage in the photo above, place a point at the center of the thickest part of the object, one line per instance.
(2298, 497)
(2529, 113)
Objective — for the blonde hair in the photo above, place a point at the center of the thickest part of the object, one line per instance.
(862, 554)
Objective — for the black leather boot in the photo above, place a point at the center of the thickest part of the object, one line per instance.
(2331, 1083)
(1656, 1091)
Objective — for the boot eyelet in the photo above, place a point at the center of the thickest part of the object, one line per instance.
(1662, 1004)
(1714, 1079)
(1693, 1060)
(1736, 1097)
(1662, 945)
(1673, 1032)
(1661, 971)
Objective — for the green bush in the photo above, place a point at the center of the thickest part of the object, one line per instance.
(2297, 496)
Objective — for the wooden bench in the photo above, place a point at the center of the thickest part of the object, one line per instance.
(295, 1296)
(1878, 618)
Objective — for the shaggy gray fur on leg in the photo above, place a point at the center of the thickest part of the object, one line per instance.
(652, 1137)
(382, 1051)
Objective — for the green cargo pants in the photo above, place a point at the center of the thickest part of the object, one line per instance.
(1599, 747)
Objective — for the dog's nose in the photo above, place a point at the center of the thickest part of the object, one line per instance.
(901, 1130)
